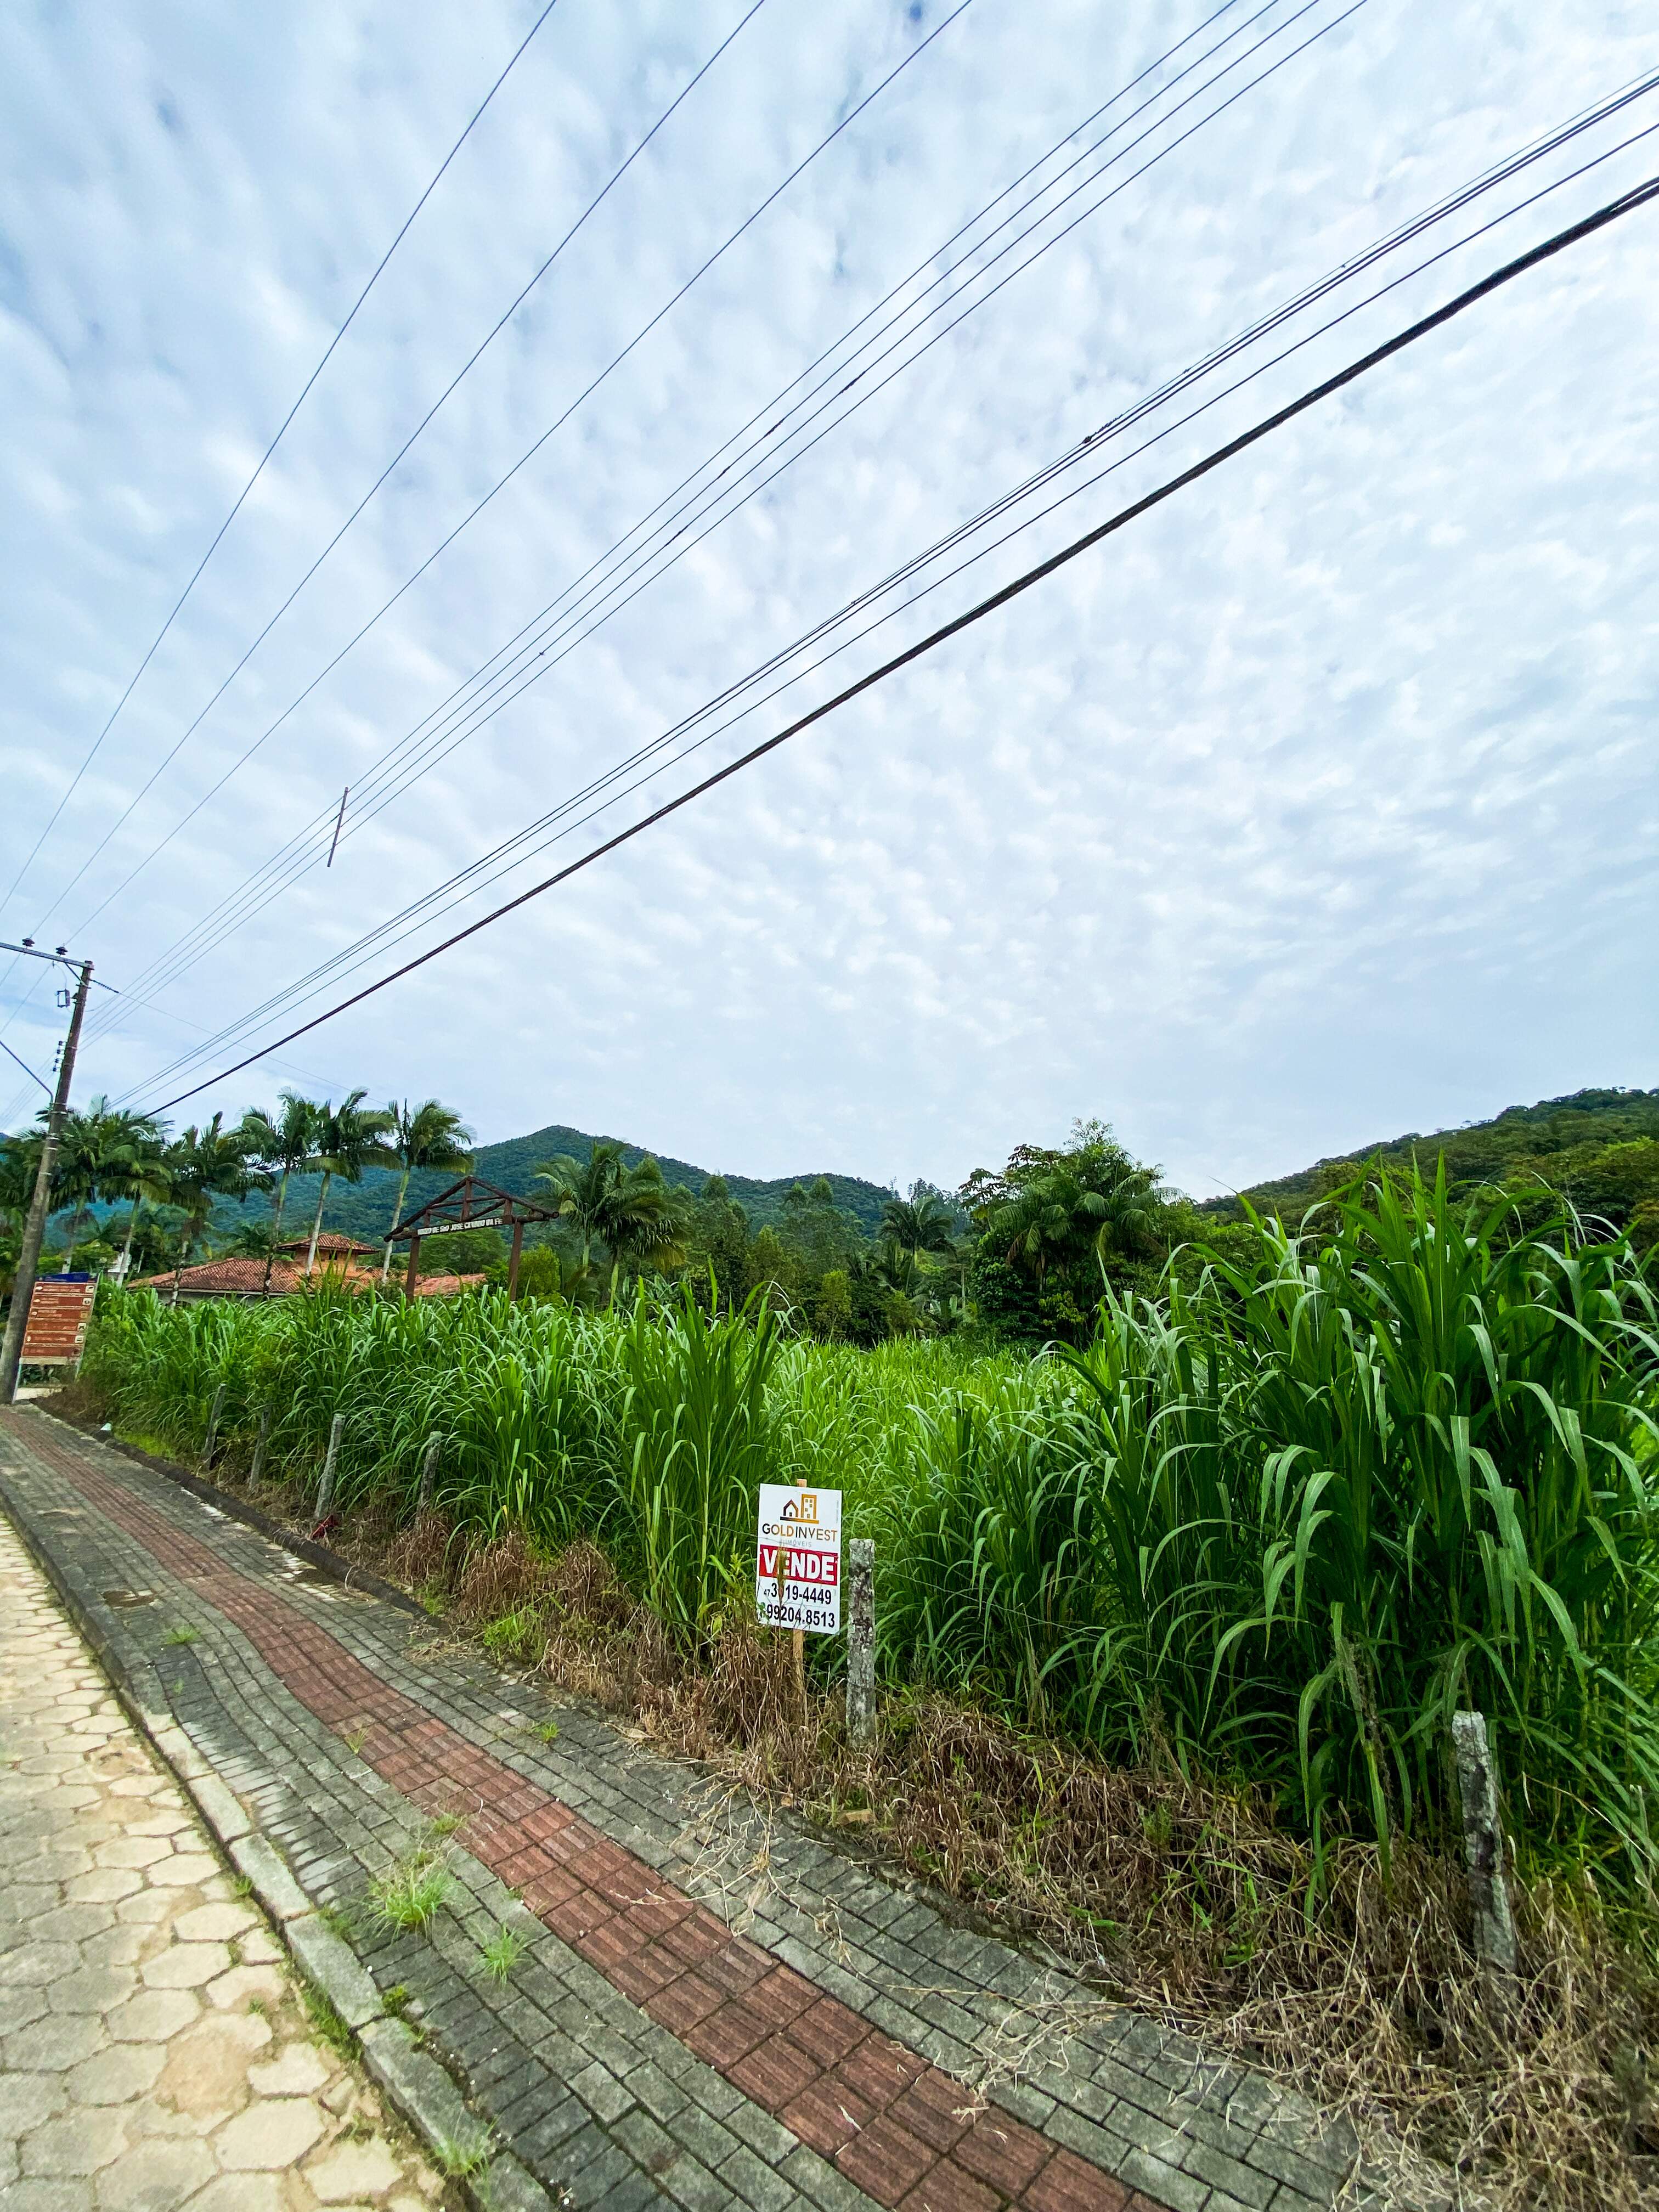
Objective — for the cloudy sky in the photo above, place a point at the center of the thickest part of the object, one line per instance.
(1317, 806)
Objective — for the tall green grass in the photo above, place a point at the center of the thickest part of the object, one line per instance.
(1279, 1523)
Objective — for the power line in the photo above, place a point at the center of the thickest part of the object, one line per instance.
(203, 935)
(192, 728)
(1640, 196)
(1087, 448)
(615, 362)
(282, 431)
(27, 1069)
(356, 954)
(296, 851)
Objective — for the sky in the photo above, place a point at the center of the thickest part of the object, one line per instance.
(1315, 805)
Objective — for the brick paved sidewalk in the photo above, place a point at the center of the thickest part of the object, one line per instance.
(698, 2005)
(154, 2050)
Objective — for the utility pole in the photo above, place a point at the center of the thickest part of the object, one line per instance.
(34, 1228)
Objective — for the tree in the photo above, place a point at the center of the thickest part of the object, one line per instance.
(813, 1227)
(1062, 1219)
(924, 1222)
(284, 1145)
(632, 1211)
(203, 1165)
(719, 1239)
(429, 1137)
(348, 1139)
(107, 1152)
(20, 1163)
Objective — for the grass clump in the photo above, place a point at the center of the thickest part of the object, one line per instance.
(325, 2021)
(463, 2157)
(184, 1634)
(408, 1895)
(502, 1953)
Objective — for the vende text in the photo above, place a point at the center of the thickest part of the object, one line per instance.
(798, 1566)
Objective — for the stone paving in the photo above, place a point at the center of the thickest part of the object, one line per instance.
(701, 2004)
(154, 2049)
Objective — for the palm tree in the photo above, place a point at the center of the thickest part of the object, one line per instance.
(20, 1163)
(347, 1140)
(631, 1211)
(283, 1146)
(921, 1222)
(138, 1173)
(430, 1137)
(104, 1152)
(204, 1165)
(1099, 1200)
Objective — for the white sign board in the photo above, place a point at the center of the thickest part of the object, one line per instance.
(798, 1558)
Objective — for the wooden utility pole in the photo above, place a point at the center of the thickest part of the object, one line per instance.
(34, 1228)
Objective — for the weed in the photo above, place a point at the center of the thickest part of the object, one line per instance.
(502, 1953)
(354, 1739)
(545, 1731)
(183, 1634)
(462, 2156)
(447, 1824)
(397, 1999)
(408, 1893)
(242, 1885)
(324, 2019)
(338, 1921)
(515, 1636)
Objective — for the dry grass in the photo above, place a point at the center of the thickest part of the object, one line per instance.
(1188, 1902)
(1182, 1898)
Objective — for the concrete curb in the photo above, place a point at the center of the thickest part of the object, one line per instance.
(423, 2091)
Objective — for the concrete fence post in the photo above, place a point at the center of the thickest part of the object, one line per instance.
(218, 1407)
(1483, 1844)
(860, 1639)
(326, 1487)
(428, 1474)
(259, 1444)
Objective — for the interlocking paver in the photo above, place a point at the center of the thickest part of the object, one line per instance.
(128, 2092)
(813, 2019)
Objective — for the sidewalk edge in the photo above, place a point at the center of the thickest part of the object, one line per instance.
(425, 2094)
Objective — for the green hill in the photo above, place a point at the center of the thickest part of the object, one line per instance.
(364, 1209)
(1599, 1147)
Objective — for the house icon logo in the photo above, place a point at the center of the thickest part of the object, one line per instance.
(802, 1511)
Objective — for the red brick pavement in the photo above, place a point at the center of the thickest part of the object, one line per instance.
(908, 2133)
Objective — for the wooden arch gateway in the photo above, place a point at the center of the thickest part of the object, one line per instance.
(470, 1203)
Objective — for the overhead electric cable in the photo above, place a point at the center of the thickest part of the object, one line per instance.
(356, 954)
(617, 360)
(27, 1071)
(367, 812)
(1171, 387)
(281, 433)
(190, 728)
(1500, 173)
(374, 776)
(1640, 196)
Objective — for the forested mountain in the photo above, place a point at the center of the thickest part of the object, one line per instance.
(1599, 1147)
(364, 1209)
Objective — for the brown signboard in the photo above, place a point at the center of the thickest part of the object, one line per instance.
(58, 1313)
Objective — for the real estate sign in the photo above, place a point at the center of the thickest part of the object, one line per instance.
(798, 1558)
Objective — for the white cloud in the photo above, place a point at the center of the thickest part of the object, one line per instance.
(1317, 806)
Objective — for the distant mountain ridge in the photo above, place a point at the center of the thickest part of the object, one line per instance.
(1563, 1139)
(364, 1209)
